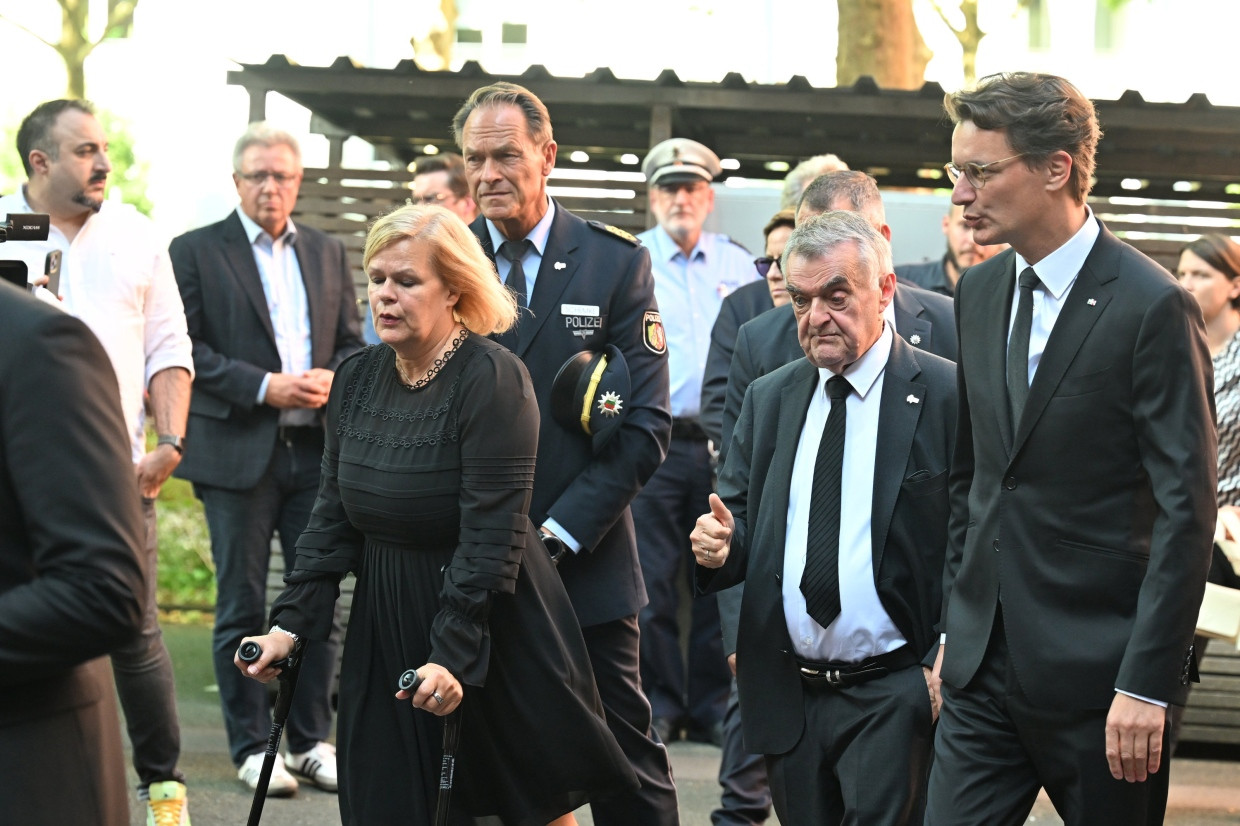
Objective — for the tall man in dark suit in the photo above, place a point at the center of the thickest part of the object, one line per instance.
(72, 585)
(581, 286)
(832, 507)
(271, 311)
(1083, 486)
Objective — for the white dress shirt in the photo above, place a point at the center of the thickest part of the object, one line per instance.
(285, 291)
(533, 259)
(117, 278)
(863, 628)
(1057, 272)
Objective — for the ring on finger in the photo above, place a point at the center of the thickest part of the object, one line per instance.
(438, 697)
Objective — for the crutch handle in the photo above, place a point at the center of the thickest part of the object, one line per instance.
(409, 681)
(249, 652)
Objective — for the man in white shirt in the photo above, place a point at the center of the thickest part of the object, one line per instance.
(116, 277)
(842, 580)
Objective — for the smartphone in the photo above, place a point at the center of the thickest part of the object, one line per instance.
(51, 268)
(15, 272)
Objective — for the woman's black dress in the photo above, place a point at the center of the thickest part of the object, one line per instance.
(424, 494)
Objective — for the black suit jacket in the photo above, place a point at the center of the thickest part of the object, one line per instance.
(231, 436)
(589, 494)
(71, 584)
(924, 319)
(909, 524)
(1094, 519)
(741, 305)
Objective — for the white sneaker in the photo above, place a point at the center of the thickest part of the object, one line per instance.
(317, 765)
(282, 784)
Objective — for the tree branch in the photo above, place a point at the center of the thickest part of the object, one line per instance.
(27, 30)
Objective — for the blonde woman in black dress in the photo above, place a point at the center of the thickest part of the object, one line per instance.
(425, 488)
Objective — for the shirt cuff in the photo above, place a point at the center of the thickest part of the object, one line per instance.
(557, 529)
(1158, 703)
(262, 389)
(943, 638)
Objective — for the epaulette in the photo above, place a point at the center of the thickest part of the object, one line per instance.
(616, 231)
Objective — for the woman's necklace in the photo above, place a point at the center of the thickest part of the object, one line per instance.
(434, 368)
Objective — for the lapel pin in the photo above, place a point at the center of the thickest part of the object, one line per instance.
(914, 339)
(1091, 302)
(913, 399)
(559, 265)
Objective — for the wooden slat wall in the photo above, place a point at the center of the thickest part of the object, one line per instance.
(1213, 713)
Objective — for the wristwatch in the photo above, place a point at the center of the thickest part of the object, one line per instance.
(556, 547)
(278, 629)
(177, 442)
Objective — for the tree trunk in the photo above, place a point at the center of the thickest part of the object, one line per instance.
(880, 38)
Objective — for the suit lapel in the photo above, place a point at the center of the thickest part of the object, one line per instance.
(557, 269)
(1082, 308)
(990, 314)
(309, 261)
(240, 257)
(794, 401)
(479, 229)
(898, 415)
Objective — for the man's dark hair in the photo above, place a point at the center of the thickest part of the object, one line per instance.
(1041, 114)
(36, 129)
(449, 162)
(846, 189)
(537, 119)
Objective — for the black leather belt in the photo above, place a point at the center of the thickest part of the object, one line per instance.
(688, 427)
(843, 675)
(298, 433)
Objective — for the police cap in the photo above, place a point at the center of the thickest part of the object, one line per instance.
(590, 393)
(677, 160)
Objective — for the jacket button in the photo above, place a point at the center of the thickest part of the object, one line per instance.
(996, 545)
(1010, 483)
(779, 577)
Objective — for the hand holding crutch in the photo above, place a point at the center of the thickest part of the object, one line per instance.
(286, 669)
(413, 684)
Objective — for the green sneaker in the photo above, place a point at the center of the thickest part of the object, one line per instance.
(167, 804)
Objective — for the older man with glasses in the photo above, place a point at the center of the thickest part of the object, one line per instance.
(272, 312)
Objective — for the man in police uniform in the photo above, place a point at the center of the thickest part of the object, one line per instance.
(581, 286)
(693, 272)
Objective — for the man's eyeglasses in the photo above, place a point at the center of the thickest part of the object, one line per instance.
(260, 178)
(976, 172)
(431, 199)
(764, 264)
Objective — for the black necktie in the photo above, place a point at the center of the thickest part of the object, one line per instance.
(1018, 347)
(821, 581)
(514, 251)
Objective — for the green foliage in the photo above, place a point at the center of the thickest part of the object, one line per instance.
(128, 173)
(186, 572)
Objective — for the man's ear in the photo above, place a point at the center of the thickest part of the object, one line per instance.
(39, 161)
(1058, 170)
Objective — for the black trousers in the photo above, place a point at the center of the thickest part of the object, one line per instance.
(994, 750)
(613, 648)
(863, 757)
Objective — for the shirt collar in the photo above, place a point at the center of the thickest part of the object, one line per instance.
(864, 372)
(667, 249)
(537, 236)
(1058, 270)
(253, 231)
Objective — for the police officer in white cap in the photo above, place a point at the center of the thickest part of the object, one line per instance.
(693, 272)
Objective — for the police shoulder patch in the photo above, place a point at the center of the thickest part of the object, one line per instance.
(653, 335)
(616, 231)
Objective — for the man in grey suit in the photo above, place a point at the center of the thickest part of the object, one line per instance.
(1083, 485)
(837, 627)
(72, 585)
(271, 311)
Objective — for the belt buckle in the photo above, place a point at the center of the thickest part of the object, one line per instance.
(834, 678)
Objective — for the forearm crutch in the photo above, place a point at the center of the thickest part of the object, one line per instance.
(289, 667)
(409, 681)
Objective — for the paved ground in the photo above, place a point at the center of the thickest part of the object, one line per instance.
(1205, 790)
